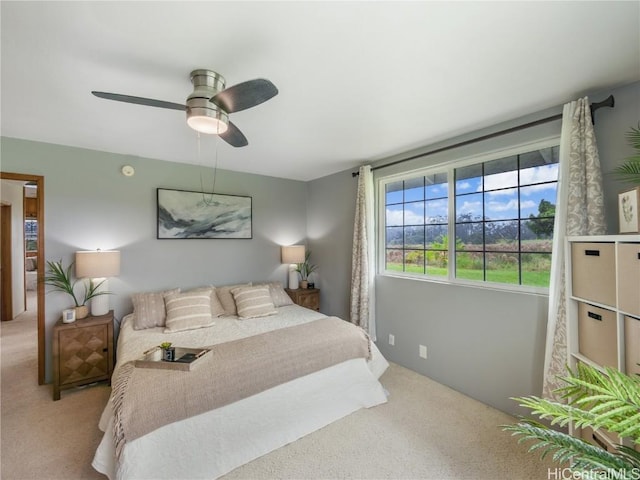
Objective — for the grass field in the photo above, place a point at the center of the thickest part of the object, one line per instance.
(535, 278)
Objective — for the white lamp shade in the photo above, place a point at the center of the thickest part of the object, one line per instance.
(292, 254)
(97, 264)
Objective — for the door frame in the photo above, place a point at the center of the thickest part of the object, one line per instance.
(39, 181)
(6, 261)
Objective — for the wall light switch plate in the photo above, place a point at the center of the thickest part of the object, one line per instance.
(392, 339)
(423, 351)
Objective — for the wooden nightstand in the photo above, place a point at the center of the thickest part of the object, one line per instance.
(306, 297)
(82, 352)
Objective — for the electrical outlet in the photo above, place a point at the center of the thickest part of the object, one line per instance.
(423, 351)
(392, 339)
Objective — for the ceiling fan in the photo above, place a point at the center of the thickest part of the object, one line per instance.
(210, 104)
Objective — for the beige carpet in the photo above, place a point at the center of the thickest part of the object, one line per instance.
(426, 431)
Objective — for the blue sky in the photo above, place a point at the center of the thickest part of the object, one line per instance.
(501, 201)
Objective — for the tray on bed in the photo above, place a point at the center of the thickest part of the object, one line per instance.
(153, 358)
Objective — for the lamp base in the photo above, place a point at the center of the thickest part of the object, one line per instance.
(293, 278)
(100, 304)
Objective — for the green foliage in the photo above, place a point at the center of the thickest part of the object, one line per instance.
(629, 170)
(165, 345)
(607, 400)
(306, 268)
(60, 279)
(542, 225)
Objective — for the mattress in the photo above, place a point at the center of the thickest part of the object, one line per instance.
(216, 442)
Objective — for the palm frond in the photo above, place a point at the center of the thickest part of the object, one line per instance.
(92, 290)
(607, 399)
(633, 137)
(565, 448)
(629, 170)
(60, 279)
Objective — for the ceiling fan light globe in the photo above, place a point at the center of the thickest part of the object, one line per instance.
(204, 117)
(207, 124)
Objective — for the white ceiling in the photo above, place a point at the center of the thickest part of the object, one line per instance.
(358, 81)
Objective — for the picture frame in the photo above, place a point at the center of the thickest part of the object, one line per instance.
(628, 202)
(183, 214)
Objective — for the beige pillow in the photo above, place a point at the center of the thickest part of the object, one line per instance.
(149, 310)
(279, 297)
(187, 311)
(253, 302)
(216, 307)
(226, 298)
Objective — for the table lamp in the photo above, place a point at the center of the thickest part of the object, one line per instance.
(292, 255)
(98, 265)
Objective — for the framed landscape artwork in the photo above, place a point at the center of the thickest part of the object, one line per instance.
(628, 211)
(185, 214)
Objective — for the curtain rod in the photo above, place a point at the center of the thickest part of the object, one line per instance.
(608, 102)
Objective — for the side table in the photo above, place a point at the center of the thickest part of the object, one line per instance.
(305, 297)
(82, 352)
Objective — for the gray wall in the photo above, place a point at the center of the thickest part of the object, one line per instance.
(332, 206)
(487, 344)
(89, 204)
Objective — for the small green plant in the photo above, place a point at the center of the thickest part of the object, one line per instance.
(629, 170)
(60, 279)
(306, 268)
(165, 345)
(608, 400)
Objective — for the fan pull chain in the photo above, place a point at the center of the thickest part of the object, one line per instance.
(209, 202)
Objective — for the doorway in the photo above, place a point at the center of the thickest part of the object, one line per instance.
(6, 282)
(38, 180)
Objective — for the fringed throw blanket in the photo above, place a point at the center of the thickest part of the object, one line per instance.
(145, 399)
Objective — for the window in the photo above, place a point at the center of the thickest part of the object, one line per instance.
(417, 225)
(31, 235)
(500, 214)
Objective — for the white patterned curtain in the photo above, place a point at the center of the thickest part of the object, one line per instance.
(363, 256)
(579, 211)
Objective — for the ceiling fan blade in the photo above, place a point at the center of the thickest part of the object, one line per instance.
(149, 102)
(234, 137)
(245, 95)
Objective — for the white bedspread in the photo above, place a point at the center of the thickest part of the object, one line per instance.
(214, 443)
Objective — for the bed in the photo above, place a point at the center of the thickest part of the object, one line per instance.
(216, 441)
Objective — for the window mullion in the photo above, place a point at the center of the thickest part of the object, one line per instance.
(451, 224)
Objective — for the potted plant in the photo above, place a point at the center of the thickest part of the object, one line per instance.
(60, 279)
(168, 352)
(305, 269)
(629, 170)
(608, 400)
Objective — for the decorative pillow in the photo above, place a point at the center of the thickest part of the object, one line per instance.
(31, 264)
(189, 310)
(279, 297)
(216, 307)
(149, 309)
(253, 302)
(226, 297)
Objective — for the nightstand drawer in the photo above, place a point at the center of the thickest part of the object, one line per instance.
(83, 354)
(305, 297)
